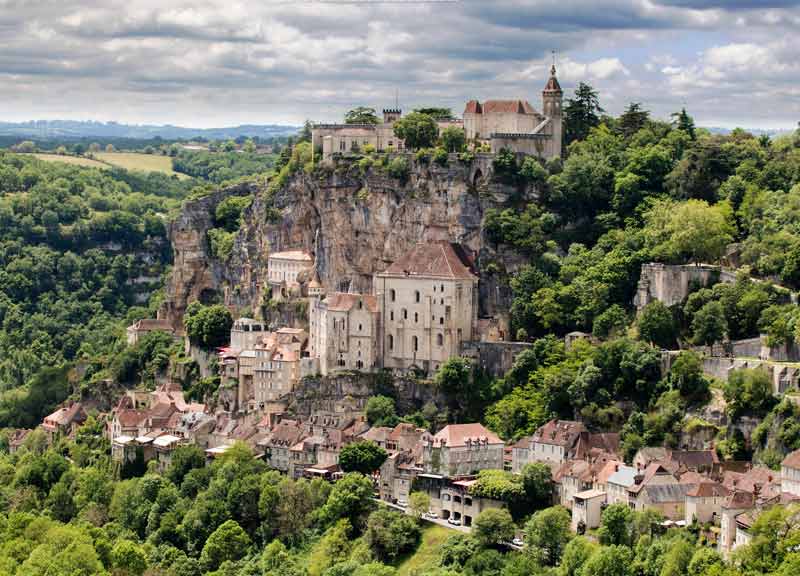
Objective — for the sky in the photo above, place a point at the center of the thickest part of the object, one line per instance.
(210, 63)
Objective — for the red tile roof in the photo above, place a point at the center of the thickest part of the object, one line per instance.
(434, 260)
(559, 432)
(344, 302)
(499, 107)
(460, 434)
(792, 460)
(708, 489)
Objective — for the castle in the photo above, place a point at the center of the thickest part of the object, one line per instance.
(511, 124)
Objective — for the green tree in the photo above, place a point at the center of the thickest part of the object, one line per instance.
(633, 119)
(709, 325)
(416, 130)
(537, 482)
(351, 498)
(437, 113)
(363, 456)
(581, 113)
(682, 121)
(609, 561)
(390, 534)
(419, 503)
(453, 139)
(208, 326)
(576, 553)
(380, 411)
(361, 115)
(610, 322)
(184, 460)
(686, 375)
(492, 527)
(547, 533)
(227, 542)
(748, 390)
(656, 325)
(128, 558)
(616, 525)
(229, 212)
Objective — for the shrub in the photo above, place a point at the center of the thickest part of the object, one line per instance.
(440, 156)
(398, 168)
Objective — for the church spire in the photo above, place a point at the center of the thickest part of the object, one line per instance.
(552, 85)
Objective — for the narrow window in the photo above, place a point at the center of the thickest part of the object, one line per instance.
(415, 343)
(439, 339)
(405, 314)
(392, 295)
(416, 295)
(391, 342)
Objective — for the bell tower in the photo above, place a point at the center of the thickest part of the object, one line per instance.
(552, 99)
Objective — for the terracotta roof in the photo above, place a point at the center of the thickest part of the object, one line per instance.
(739, 500)
(377, 434)
(708, 489)
(559, 432)
(299, 255)
(344, 302)
(755, 479)
(607, 471)
(792, 460)
(128, 418)
(499, 107)
(433, 260)
(694, 459)
(66, 415)
(460, 434)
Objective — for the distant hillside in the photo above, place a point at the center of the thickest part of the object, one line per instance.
(73, 129)
(754, 131)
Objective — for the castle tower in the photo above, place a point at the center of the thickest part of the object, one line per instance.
(391, 115)
(552, 97)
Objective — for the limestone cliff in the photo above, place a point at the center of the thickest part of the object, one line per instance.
(355, 223)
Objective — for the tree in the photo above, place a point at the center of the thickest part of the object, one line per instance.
(609, 561)
(419, 503)
(361, 115)
(208, 326)
(380, 411)
(249, 146)
(227, 542)
(532, 172)
(656, 325)
(390, 534)
(633, 119)
(610, 322)
(709, 325)
(493, 527)
(416, 130)
(351, 498)
(363, 456)
(537, 482)
(576, 553)
(184, 460)
(581, 113)
(748, 390)
(228, 213)
(690, 231)
(616, 525)
(60, 502)
(686, 375)
(334, 547)
(453, 139)
(547, 533)
(128, 558)
(437, 113)
(682, 121)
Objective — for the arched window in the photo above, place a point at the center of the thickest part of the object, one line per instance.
(416, 296)
(441, 288)
(391, 342)
(441, 319)
(439, 339)
(359, 328)
(392, 295)
(415, 343)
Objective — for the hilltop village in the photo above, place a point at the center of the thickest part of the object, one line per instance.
(428, 312)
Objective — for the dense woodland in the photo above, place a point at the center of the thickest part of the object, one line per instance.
(629, 190)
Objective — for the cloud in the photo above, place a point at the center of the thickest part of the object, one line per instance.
(212, 62)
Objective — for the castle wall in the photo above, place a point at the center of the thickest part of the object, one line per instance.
(671, 284)
(494, 358)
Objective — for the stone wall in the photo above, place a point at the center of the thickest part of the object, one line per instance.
(671, 284)
(495, 358)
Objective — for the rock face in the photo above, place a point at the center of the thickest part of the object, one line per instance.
(354, 223)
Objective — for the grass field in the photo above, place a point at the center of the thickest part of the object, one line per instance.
(140, 162)
(71, 160)
(433, 536)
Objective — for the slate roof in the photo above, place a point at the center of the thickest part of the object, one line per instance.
(433, 260)
(552, 82)
(624, 476)
(664, 493)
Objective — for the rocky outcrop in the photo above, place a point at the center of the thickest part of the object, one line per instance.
(354, 222)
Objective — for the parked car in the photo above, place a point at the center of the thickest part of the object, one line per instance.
(517, 542)
(454, 521)
(430, 515)
(402, 503)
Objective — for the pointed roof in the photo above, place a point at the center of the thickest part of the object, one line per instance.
(552, 82)
(436, 260)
